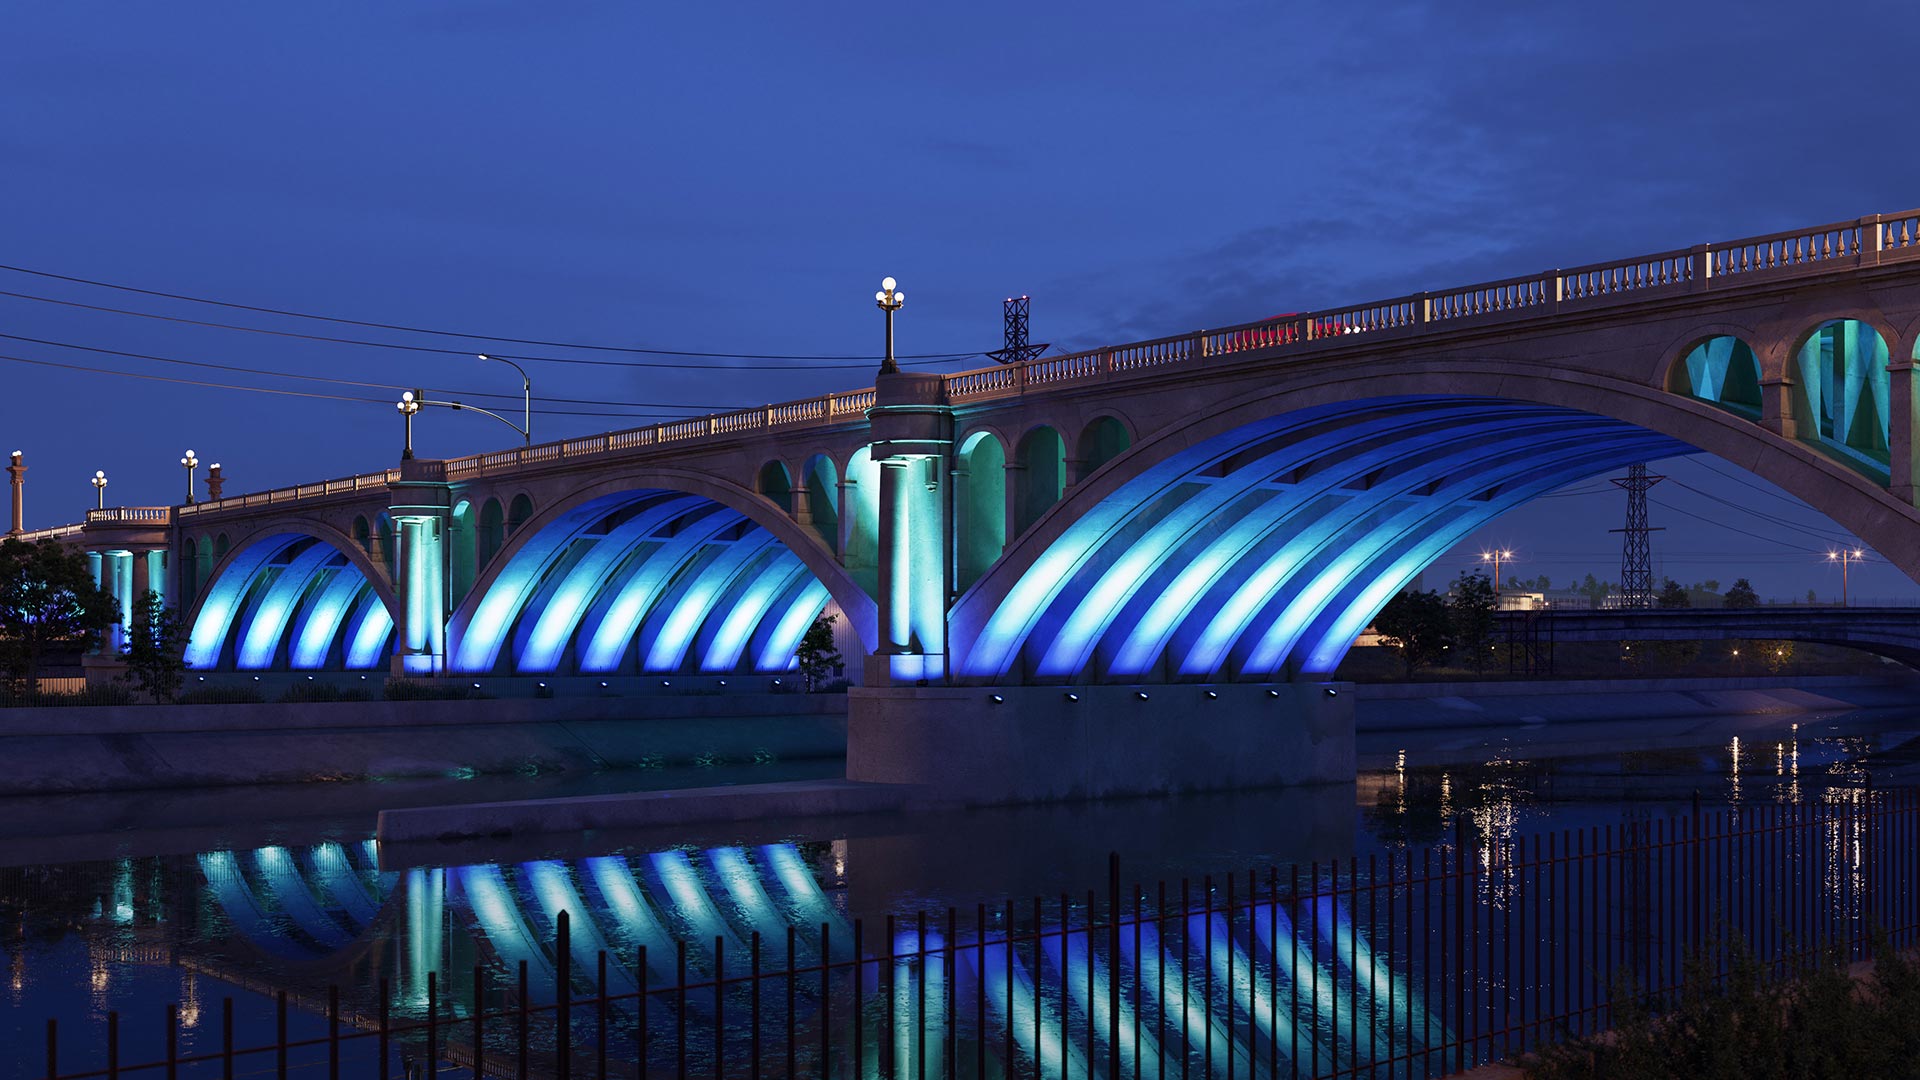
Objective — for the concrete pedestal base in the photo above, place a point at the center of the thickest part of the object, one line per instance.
(983, 745)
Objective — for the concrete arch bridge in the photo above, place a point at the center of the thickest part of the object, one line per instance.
(1074, 552)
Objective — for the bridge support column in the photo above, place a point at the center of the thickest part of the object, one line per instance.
(1902, 462)
(913, 441)
(1780, 407)
(421, 502)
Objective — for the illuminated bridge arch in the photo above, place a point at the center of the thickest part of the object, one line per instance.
(297, 595)
(701, 574)
(1256, 541)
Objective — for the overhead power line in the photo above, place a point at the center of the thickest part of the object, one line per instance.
(402, 328)
(297, 393)
(242, 369)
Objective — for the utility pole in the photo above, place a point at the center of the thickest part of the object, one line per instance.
(1636, 549)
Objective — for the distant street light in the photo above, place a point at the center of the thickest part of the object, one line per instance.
(526, 391)
(190, 463)
(408, 406)
(100, 485)
(890, 300)
(1495, 557)
(1844, 558)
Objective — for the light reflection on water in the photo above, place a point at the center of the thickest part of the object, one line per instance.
(129, 933)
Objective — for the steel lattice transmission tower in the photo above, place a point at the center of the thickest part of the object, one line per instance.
(1013, 315)
(1636, 549)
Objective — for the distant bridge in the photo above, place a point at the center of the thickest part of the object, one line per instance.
(1215, 508)
(1890, 632)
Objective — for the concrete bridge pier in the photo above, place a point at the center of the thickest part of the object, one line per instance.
(422, 500)
(913, 444)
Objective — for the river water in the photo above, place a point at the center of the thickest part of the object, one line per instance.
(127, 903)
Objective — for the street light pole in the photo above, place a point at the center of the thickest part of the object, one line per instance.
(99, 482)
(190, 463)
(1843, 558)
(526, 392)
(890, 300)
(408, 405)
(1495, 556)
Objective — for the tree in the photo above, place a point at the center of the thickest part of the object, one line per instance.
(1594, 590)
(818, 655)
(1470, 616)
(156, 644)
(1674, 595)
(1417, 624)
(1741, 595)
(47, 595)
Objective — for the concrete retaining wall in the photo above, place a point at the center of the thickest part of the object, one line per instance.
(118, 748)
(1406, 706)
(981, 745)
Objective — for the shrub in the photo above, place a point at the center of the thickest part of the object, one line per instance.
(1745, 1025)
(319, 691)
(431, 690)
(223, 695)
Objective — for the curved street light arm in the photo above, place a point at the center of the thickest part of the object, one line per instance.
(458, 406)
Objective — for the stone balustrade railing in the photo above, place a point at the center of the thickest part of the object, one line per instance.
(1755, 261)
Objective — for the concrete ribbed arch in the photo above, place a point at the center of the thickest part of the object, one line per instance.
(296, 595)
(706, 576)
(1259, 540)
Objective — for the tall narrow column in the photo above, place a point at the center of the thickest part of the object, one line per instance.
(1902, 463)
(17, 477)
(896, 555)
(848, 516)
(120, 575)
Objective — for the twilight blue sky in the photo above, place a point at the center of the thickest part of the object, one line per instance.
(736, 178)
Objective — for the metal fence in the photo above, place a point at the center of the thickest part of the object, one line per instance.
(1411, 964)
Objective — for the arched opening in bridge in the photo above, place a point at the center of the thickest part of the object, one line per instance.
(493, 531)
(860, 516)
(1842, 368)
(362, 534)
(462, 550)
(1263, 551)
(519, 512)
(1101, 441)
(1039, 476)
(646, 581)
(776, 485)
(219, 548)
(980, 506)
(383, 549)
(821, 484)
(289, 601)
(1721, 370)
(189, 573)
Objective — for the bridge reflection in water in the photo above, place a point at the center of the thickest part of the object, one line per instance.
(1412, 963)
(1208, 971)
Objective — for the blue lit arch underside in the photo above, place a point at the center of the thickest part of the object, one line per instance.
(1263, 552)
(1843, 368)
(290, 601)
(646, 581)
(1287, 991)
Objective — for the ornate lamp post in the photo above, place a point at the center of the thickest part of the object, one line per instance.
(526, 393)
(190, 463)
(99, 482)
(408, 406)
(890, 300)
